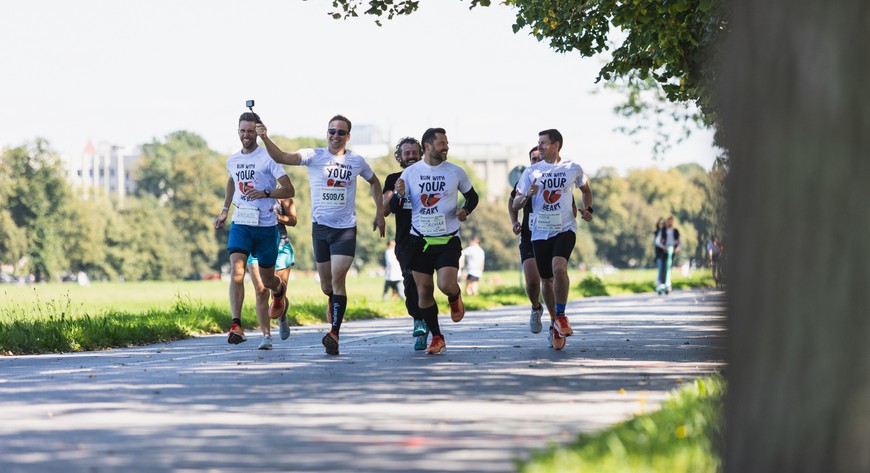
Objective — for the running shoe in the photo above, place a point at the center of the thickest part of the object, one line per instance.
(562, 327)
(265, 343)
(420, 328)
(558, 340)
(420, 342)
(284, 327)
(279, 302)
(236, 335)
(535, 320)
(457, 309)
(330, 342)
(437, 346)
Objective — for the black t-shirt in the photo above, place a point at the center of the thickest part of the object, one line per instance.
(526, 234)
(403, 216)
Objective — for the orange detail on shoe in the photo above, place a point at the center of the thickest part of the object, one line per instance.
(562, 327)
(437, 346)
(236, 335)
(279, 303)
(457, 309)
(558, 340)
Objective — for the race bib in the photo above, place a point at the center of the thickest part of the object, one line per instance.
(333, 196)
(433, 224)
(246, 216)
(548, 221)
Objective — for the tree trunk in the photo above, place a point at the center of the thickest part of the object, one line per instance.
(795, 105)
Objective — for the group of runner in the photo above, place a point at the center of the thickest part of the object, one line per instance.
(423, 197)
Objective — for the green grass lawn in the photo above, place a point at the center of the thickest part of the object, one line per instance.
(683, 436)
(60, 317)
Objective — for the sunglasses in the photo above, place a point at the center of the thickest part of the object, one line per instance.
(333, 131)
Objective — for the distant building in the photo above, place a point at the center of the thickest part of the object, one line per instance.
(103, 170)
(492, 163)
(369, 141)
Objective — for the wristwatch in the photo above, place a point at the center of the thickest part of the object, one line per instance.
(267, 192)
(589, 209)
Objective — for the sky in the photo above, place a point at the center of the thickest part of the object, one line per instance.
(128, 73)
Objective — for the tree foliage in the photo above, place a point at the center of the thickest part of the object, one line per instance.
(670, 41)
(37, 198)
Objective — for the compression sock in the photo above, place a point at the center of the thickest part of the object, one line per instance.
(339, 304)
(430, 316)
(329, 307)
(560, 309)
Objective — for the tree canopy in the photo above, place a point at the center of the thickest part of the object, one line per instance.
(673, 42)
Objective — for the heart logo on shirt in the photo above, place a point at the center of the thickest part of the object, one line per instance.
(428, 200)
(551, 197)
(334, 183)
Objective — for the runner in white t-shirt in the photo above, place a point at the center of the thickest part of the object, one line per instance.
(433, 186)
(332, 173)
(251, 188)
(549, 185)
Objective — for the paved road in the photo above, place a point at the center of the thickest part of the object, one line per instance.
(498, 392)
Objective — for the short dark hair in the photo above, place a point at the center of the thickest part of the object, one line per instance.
(408, 140)
(249, 117)
(532, 151)
(554, 135)
(429, 135)
(341, 118)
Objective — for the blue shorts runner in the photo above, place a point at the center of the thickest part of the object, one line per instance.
(286, 256)
(260, 242)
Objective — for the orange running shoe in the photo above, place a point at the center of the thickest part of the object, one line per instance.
(330, 342)
(457, 309)
(279, 302)
(437, 346)
(558, 340)
(562, 327)
(236, 335)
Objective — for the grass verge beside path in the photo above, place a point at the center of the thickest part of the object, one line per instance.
(65, 317)
(682, 437)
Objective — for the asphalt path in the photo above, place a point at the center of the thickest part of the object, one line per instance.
(497, 394)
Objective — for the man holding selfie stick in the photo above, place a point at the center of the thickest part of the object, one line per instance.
(332, 173)
(252, 188)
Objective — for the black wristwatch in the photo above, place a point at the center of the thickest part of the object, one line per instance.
(589, 209)
(267, 192)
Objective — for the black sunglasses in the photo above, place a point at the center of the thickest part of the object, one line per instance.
(333, 131)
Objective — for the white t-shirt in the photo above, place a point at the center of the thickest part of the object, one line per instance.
(474, 260)
(434, 194)
(393, 268)
(552, 209)
(255, 170)
(332, 181)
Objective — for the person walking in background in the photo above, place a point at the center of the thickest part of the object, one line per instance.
(669, 242)
(661, 253)
(251, 187)
(392, 272)
(549, 185)
(332, 175)
(285, 209)
(714, 249)
(475, 258)
(433, 185)
(408, 151)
